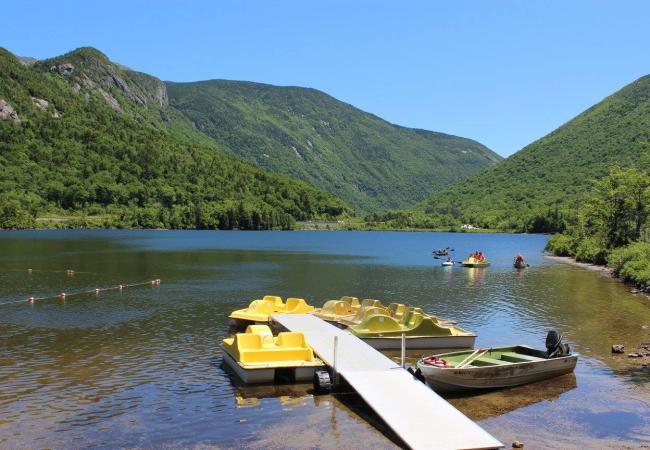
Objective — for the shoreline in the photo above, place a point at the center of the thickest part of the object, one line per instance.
(608, 271)
(340, 229)
(602, 270)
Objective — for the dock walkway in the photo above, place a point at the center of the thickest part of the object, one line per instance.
(419, 416)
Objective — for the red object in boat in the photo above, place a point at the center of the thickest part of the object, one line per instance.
(433, 361)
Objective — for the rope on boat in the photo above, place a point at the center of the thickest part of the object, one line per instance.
(96, 291)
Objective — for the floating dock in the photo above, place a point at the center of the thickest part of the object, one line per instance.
(419, 416)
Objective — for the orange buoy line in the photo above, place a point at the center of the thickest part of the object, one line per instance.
(68, 272)
(96, 291)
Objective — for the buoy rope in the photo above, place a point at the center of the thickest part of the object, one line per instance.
(65, 271)
(96, 291)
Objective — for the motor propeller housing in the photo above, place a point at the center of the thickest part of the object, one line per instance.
(554, 345)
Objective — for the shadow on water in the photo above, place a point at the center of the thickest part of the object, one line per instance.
(479, 406)
(294, 395)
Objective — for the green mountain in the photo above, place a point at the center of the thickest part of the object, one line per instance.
(307, 134)
(82, 136)
(537, 188)
(139, 96)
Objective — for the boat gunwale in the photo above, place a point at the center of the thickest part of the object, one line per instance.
(399, 336)
(420, 363)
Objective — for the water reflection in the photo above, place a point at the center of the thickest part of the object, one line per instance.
(475, 275)
(502, 401)
(142, 367)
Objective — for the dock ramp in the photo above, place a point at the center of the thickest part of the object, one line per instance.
(419, 416)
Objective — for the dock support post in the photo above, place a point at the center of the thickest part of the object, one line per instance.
(335, 374)
(403, 353)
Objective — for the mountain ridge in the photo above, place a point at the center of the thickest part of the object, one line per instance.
(538, 187)
(71, 152)
(308, 134)
(369, 162)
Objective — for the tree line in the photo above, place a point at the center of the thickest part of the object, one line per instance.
(611, 225)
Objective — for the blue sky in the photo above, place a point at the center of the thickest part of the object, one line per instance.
(502, 72)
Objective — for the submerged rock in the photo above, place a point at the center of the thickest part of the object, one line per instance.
(517, 444)
(618, 348)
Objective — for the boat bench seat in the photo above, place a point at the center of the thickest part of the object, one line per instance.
(518, 357)
(291, 340)
(276, 355)
(485, 361)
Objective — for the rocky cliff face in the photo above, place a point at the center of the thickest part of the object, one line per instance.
(88, 71)
(26, 60)
(7, 112)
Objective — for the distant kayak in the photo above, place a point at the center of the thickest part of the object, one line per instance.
(519, 262)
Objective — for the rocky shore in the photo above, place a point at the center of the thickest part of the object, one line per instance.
(593, 267)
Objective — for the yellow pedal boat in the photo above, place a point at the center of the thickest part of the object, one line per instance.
(357, 315)
(475, 262)
(422, 331)
(259, 311)
(258, 357)
(334, 310)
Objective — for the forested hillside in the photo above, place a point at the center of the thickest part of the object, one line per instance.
(82, 137)
(539, 188)
(613, 226)
(307, 134)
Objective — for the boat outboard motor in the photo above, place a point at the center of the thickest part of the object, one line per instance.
(554, 345)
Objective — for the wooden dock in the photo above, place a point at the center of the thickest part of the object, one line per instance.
(419, 416)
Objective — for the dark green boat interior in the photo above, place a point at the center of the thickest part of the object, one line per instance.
(496, 356)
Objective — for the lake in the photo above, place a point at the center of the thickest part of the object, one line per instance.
(141, 366)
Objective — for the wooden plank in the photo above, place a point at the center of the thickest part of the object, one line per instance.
(419, 416)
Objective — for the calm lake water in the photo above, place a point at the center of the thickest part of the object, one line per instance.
(141, 367)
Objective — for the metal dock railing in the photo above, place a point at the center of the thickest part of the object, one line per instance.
(419, 416)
